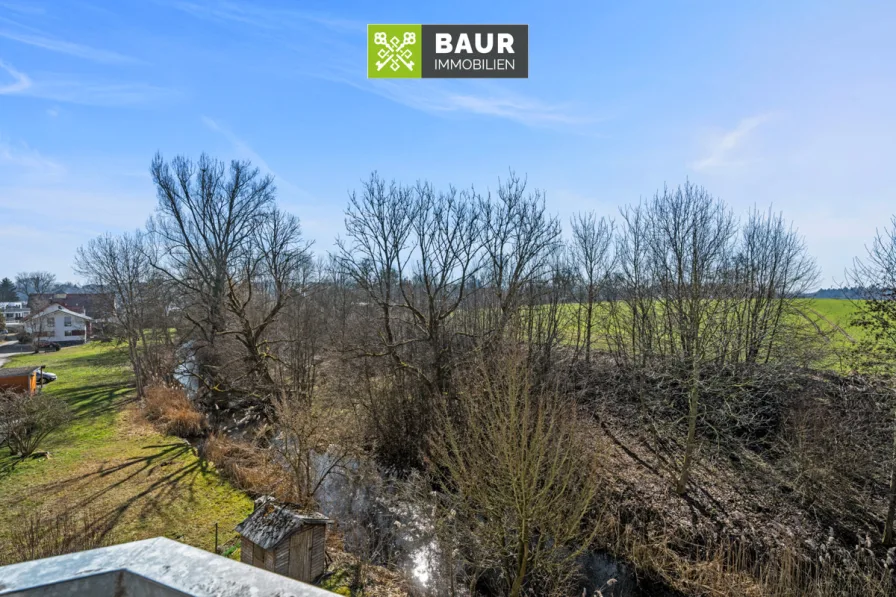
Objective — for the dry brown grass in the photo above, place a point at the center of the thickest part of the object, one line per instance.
(246, 466)
(172, 411)
(729, 568)
(740, 530)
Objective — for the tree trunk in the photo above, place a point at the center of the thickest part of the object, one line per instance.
(693, 403)
(523, 555)
(588, 316)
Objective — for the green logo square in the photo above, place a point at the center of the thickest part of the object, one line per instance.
(394, 51)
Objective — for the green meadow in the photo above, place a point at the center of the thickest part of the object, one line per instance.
(833, 318)
(135, 482)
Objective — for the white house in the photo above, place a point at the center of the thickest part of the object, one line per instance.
(14, 312)
(55, 323)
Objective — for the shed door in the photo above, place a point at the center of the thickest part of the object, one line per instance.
(258, 556)
(300, 555)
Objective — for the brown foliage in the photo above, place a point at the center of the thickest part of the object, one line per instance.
(247, 466)
(173, 412)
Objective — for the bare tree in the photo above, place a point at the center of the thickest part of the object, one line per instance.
(772, 271)
(207, 214)
(445, 232)
(35, 283)
(875, 275)
(37, 286)
(591, 254)
(632, 319)
(309, 443)
(377, 248)
(519, 241)
(691, 243)
(120, 266)
(207, 226)
(518, 478)
(267, 275)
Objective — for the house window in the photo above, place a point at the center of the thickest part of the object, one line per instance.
(68, 321)
(68, 333)
(51, 322)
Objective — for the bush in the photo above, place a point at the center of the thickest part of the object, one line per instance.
(40, 533)
(26, 420)
(246, 466)
(173, 411)
(519, 478)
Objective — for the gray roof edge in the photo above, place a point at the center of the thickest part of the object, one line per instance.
(166, 562)
(272, 522)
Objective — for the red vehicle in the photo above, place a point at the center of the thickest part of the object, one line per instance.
(48, 346)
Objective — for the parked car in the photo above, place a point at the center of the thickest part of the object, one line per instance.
(46, 377)
(43, 344)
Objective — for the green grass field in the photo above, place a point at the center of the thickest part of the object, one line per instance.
(839, 313)
(832, 317)
(136, 482)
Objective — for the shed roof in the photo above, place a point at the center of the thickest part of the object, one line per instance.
(17, 371)
(272, 522)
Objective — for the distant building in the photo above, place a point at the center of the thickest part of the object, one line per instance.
(14, 312)
(55, 323)
(96, 305)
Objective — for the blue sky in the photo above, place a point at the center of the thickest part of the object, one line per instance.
(764, 104)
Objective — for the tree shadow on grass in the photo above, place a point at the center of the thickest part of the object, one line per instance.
(105, 358)
(8, 464)
(94, 400)
(180, 473)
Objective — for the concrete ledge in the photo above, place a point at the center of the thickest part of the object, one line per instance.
(149, 568)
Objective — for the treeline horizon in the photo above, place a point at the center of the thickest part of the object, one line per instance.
(452, 332)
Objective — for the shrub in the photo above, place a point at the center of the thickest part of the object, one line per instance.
(519, 480)
(42, 533)
(247, 466)
(26, 420)
(173, 411)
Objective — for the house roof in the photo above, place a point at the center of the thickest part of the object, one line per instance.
(17, 371)
(272, 522)
(54, 308)
(94, 304)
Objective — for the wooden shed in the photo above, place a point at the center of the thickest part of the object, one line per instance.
(23, 379)
(281, 538)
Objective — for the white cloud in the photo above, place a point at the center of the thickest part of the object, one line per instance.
(22, 7)
(61, 88)
(244, 151)
(444, 97)
(724, 146)
(20, 82)
(65, 47)
(21, 156)
(241, 147)
(264, 17)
